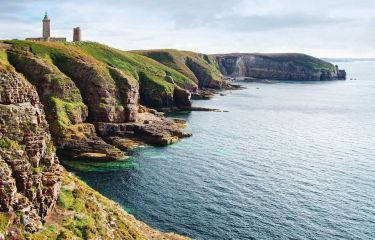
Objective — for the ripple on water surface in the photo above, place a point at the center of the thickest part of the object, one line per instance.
(288, 160)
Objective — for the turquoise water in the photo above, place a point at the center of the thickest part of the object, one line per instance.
(288, 161)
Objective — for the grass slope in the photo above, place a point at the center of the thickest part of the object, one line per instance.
(136, 64)
(155, 89)
(202, 68)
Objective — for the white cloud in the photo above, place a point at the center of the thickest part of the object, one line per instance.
(335, 28)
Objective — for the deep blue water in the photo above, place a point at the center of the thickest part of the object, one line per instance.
(288, 161)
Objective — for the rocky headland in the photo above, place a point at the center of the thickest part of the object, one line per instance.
(88, 101)
(38, 198)
(293, 67)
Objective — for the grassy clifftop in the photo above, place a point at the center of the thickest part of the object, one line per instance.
(135, 64)
(155, 88)
(202, 68)
(295, 59)
(309, 62)
(285, 66)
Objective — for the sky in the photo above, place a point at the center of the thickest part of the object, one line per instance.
(322, 28)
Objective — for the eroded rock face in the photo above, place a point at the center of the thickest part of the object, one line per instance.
(205, 78)
(297, 67)
(128, 93)
(97, 87)
(73, 138)
(182, 98)
(30, 173)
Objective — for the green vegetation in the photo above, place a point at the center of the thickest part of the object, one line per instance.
(88, 219)
(50, 232)
(155, 90)
(135, 64)
(65, 199)
(40, 70)
(99, 63)
(3, 57)
(81, 213)
(64, 113)
(157, 93)
(311, 63)
(37, 170)
(6, 143)
(4, 222)
(4, 63)
(201, 68)
(29, 126)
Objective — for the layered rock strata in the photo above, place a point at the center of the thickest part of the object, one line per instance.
(30, 173)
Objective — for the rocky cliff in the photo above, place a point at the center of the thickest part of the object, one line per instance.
(86, 85)
(298, 67)
(38, 198)
(29, 170)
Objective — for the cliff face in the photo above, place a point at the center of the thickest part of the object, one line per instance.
(38, 198)
(157, 82)
(297, 67)
(86, 84)
(30, 173)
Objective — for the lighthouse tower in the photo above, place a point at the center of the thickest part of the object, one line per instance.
(46, 27)
(47, 32)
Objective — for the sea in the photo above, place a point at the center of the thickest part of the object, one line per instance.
(283, 160)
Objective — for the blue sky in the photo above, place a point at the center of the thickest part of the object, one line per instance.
(329, 28)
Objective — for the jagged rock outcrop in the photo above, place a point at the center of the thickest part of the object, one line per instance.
(149, 126)
(298, 67)
(30, 173)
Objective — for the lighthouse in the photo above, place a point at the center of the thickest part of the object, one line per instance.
(46, 36)
(46, 27)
